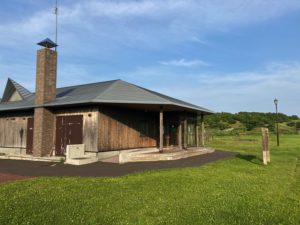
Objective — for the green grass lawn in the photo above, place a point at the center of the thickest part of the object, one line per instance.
(239, 190)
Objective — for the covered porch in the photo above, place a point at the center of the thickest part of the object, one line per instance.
(134, 126)
(180, 130)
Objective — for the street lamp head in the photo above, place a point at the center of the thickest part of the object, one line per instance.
(275, 101)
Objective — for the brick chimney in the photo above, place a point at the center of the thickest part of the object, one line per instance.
(44, 119)
(45, 76)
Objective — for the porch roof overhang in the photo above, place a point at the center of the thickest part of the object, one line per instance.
(149, 106)
(155, 107)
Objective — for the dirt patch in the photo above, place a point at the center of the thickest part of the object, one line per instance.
(11, 177)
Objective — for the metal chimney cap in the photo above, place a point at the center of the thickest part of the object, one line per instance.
(47, 43)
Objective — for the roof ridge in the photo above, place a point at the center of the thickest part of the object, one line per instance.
(108, 88)
(24, 92)
(167, 98)
(80, 85)
(10, 85)
(144, 89)
(88, 84)
(155, 93)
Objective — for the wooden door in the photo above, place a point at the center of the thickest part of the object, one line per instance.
(60, 136)
(68, 132)
(74, 130)
(29, 137)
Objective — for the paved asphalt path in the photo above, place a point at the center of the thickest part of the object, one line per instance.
(100, 169)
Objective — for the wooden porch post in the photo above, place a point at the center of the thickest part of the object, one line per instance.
(161, 129)
(180, 135)
(197, 132)
(202, 130)
(185, 135)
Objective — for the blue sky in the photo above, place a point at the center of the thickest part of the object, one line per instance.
(234, 55)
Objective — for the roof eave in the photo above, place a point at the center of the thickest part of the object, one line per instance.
(53, 105)
(17, 109)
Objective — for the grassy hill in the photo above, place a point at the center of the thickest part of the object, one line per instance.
(250, 122)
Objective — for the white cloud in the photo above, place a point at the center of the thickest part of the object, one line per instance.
(120, 9)
(233, 92)
(140, 23)
(198, 40)
(19, 31)
(185, 63)
(209, 11)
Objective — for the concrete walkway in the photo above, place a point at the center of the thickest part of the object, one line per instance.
(98, 169)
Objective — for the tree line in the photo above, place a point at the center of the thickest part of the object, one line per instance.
(249, 120)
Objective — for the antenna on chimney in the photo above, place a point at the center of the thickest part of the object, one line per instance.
(56, 20)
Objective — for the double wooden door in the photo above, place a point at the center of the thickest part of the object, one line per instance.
(69, 131)
(29, 137)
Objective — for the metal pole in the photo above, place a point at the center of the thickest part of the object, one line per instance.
(277, 130)
(56, 21)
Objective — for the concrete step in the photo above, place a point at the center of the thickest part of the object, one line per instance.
(153, 154)
(114, 159)
(81, 161)
(32, 158)
(144, 157)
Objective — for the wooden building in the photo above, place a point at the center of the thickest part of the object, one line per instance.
(104, 116)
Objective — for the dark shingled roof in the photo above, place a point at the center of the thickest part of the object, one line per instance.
(11, 87)
(113, 92)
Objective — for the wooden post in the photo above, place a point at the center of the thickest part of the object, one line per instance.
(197, 134)
(185, 135)
(180, 135)
(202, 130)
(265, 145)
(161, 129)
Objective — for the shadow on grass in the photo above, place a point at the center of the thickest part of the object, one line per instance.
(250, 158)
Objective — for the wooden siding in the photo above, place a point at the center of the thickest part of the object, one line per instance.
(105, 129)
(90, 125)
(10, 127)
(120, 128)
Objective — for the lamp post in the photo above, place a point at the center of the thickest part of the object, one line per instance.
(277, 131)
